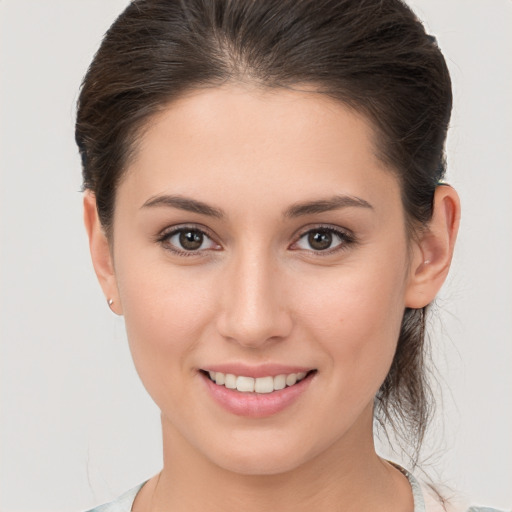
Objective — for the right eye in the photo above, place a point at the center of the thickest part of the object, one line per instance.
(187, 241)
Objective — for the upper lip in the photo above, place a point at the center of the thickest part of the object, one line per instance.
(263, 370)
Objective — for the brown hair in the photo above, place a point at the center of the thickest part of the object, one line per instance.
(372, 55)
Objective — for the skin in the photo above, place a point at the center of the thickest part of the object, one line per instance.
(258, 292)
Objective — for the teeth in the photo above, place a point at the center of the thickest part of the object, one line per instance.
(245, 384)
(230, 381)
(259, 384)
(264, 385)
(279, 382)
(291, 379)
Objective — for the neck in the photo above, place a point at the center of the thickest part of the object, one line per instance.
(349, 477)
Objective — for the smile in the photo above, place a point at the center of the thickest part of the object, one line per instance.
(268, 391)
(262, 385)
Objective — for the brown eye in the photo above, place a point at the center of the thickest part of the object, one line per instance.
(323, 239)
(320, 240)
(191, 240)
(188, 240)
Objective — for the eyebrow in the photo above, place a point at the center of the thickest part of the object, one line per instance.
(325, 205)
(184, 203)
(296, 210)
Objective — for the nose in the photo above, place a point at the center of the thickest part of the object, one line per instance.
(254, 308)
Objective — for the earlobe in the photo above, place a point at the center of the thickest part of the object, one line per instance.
(433, 252)
(100, 253)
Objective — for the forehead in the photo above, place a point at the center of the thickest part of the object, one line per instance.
(242, 140)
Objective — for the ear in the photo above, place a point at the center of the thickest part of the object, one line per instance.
(101, 253)
(432, 254)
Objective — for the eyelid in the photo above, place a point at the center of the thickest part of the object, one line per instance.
(346, 235)
(165, 234)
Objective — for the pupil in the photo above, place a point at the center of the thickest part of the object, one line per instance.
(191, 240)
(320, 240)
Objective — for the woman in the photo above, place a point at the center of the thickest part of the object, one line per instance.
(265, 207)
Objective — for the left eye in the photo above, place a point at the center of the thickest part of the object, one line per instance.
(321, 239)
(189, 240)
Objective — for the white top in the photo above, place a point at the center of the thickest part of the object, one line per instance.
(423, 500)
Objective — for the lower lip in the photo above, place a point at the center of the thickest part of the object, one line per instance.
(256, 405)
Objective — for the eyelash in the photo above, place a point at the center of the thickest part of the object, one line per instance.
(346, 239)
(166, 235)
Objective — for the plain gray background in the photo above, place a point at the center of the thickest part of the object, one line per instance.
(76, 425)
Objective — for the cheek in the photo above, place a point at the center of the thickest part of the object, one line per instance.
(355, 316)
(165, 312)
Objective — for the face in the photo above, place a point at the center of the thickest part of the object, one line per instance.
(258, 241)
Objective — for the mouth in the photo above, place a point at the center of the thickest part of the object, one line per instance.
(257, 392)
(258, 385)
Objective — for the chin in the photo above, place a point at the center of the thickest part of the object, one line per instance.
(260, 458)
(259, 465)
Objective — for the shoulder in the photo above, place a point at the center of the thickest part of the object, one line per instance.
(434, 504)
(122, 504)
(483, 509)
(426, 499)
